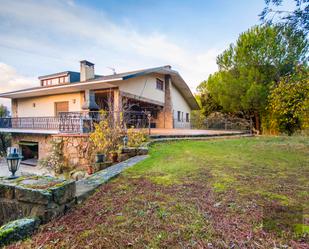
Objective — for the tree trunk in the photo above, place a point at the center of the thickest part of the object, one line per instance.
(257, 121)
(3, 145)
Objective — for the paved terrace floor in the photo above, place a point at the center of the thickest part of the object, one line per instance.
(190, 132)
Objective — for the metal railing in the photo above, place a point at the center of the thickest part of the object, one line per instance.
(44, 123)
(222, 124)
(76, 122)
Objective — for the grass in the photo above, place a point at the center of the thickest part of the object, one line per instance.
(234, 193)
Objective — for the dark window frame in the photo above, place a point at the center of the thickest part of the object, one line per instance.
(179, 116)
(187, 118)
(159, 84)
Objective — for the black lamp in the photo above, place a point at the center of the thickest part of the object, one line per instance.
(13, 160)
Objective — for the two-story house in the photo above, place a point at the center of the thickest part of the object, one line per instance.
(59, 104)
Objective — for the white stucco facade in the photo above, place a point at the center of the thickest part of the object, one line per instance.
(143, 86)
(179, 104)
(45, 106)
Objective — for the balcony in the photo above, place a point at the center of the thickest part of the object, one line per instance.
(70, 122)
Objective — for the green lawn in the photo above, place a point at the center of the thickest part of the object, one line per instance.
(233, 193)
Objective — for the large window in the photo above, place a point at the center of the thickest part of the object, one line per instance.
(160, 84)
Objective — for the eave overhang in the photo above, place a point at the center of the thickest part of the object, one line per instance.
(60, 89)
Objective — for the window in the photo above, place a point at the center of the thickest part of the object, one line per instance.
(61, 80)
(44, 82)
(187, 117)
(160, 84)
(181, 116)
(178, 116)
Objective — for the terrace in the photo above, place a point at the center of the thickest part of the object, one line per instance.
(70, 122)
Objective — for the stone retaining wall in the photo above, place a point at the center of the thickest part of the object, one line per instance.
(76, 149)
(35, 196)
(42, 140)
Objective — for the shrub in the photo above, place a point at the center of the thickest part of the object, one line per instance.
(136, 137)
(55, 160)
(107, 134)
(289, 103)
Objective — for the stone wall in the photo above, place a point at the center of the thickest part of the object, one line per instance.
(35, 196)
(41, 139)
(76, 149)
(165, 117)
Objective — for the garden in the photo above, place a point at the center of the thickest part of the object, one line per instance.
(223, 193)
(110, 142)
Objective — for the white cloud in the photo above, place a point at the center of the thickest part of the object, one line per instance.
(65, 30)
(10, 80)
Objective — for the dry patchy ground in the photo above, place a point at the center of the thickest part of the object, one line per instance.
(235, 193)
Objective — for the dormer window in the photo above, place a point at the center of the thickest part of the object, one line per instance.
(59, 78)
(53, 81)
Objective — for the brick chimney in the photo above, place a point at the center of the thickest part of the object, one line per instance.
(86, 70)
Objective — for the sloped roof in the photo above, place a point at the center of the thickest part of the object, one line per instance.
(106, 82)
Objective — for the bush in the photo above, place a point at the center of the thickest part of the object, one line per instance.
(136, 137)
(289, 103)
(107, 134)
(55, 160)
(197, 119)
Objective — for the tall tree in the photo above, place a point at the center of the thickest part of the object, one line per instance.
(206, 101)
(289, 103)
(5, 138)
(248, 68)
(297, 18)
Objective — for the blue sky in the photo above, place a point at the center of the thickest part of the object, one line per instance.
(42, 37)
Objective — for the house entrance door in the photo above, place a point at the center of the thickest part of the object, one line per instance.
(61, 107)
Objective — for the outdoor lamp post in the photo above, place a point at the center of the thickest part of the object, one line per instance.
(125, 141)
(149, 122)
(13, 160)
